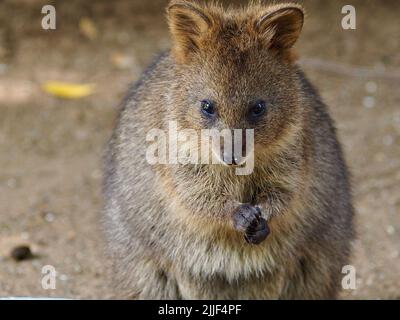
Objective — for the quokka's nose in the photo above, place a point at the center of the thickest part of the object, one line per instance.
(233, 150)
(230, 159)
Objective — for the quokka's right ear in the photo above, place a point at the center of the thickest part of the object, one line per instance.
(188, 22)
(281, 25)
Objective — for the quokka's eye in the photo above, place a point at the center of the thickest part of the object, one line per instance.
(258, 109)
(208, 108)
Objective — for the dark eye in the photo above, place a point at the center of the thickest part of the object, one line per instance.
(208, 108)
(258, 109)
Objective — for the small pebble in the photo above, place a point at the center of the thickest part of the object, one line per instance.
(22, 252)
(48, 216)
(77, 268)
(12, 183)
(121, 61)
(369, 102)
(25, 235)
(390, 230)
(63, 277)
(371, 87)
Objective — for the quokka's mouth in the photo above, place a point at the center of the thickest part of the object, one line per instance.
(234, 162)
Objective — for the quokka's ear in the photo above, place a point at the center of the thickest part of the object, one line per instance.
(187, 21)
(281, 25)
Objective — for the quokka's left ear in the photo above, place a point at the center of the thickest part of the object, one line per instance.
(280, 26)
(188, 22)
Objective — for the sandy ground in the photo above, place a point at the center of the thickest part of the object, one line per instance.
(50, 149)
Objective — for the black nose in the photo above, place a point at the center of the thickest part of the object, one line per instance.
(230, 159)
(233, 156)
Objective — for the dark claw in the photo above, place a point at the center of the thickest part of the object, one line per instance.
(247, 219)
(259, 234)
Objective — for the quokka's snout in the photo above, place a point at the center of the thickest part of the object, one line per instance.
(235, 150)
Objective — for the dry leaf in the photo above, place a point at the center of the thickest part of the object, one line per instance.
(88, 28)
(68, 90)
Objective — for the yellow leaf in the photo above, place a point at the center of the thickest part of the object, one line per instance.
(88, 28)
(68, 90)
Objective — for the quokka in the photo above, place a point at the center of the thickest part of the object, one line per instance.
(201, 231)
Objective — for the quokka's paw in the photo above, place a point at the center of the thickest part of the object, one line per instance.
(247, 219)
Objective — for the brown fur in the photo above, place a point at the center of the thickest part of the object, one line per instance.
(169, 227)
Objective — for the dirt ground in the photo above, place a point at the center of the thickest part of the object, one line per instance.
(50, 149)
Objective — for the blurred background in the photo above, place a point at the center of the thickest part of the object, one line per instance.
(51, 145)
